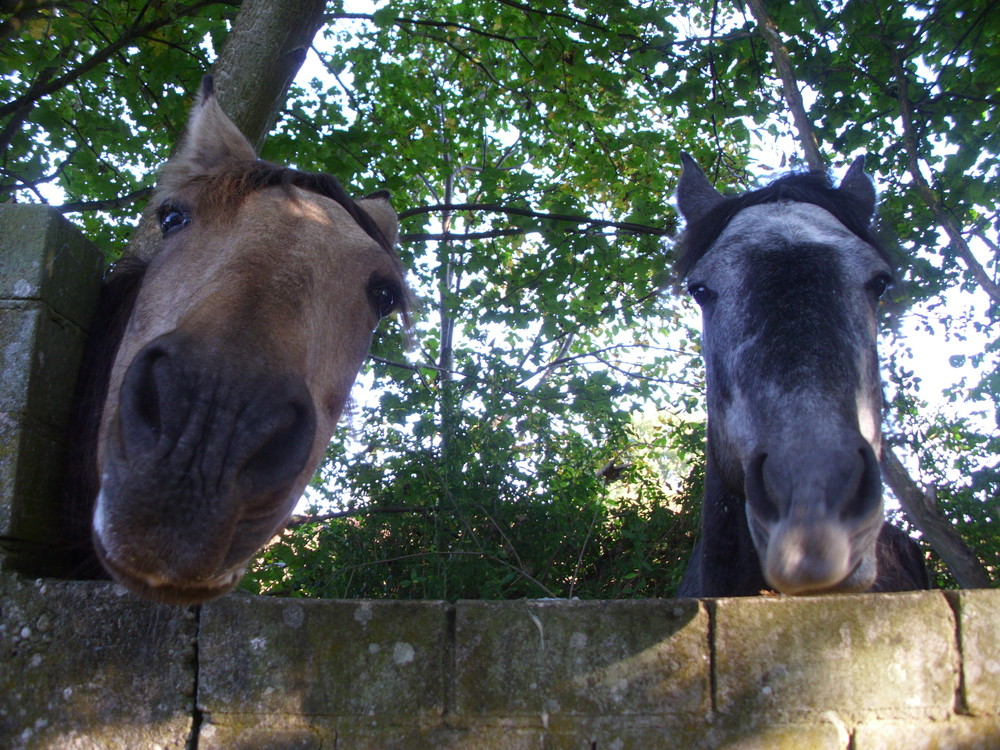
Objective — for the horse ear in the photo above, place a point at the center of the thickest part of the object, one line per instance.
(377, 206)
(210, 140)
(859, 185)
(695, 194)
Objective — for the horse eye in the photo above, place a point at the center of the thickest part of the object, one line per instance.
(173, 219)
(701, 293)
(879, 284)
(384, 299)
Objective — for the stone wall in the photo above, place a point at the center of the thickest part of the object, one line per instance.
(50, 277)
(86, 665)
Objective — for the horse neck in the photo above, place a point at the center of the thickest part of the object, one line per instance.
(82, 482)
(728, 561)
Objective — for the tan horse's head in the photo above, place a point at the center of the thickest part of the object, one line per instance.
(252, 320)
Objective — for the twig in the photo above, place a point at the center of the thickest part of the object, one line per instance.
(514, 211)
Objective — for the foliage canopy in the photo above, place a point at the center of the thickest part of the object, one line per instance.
(532, 151)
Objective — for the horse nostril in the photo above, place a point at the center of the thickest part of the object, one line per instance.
(284, 442)
(867, 496)
(142, 392)
(757, 494)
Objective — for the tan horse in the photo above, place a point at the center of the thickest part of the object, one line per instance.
(246, 333)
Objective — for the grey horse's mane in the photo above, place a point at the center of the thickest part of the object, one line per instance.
(801, 187)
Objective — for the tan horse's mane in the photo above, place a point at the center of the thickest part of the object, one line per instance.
(222, 191)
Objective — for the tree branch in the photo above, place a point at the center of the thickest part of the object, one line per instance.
(924, 190)
(50, 86)
(21, 13)
(922, 509)
(466, 237)
(783, 64)
(109, 204)
(527, 8)
(514, 211)
(296, 521)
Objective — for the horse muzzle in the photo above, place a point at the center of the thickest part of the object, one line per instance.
(203, 467)
(814, 518)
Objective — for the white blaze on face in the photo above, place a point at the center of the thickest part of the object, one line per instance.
(870, 418)
(100, 519)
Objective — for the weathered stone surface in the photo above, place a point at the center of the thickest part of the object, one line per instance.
(768, 735)
(254, 732)
(858, 655)
(250, 732)
(45, 257)
(380, 660)
(626, 732)
(84, 665)
(30, 459)
(542, 659)
(39, 358)
(31, 511)
(50, 278)
(979, 635)
(958, 733)
(574, 732)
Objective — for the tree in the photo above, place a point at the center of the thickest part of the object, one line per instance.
(532, 152)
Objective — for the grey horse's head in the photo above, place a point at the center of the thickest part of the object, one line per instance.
(788, 279)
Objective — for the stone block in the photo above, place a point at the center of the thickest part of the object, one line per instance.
(84, 664)
(50, 279)
(859, 655)
(540, 660)
(22, 437)
(979, 636)
(46, 258)
(958, 733)
(32, 457)
(381, 660)
(255, 731)
(766, 734)
(40, 356)
(574, 732)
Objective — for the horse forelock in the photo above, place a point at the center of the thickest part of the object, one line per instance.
(814, 188)
(222, 191)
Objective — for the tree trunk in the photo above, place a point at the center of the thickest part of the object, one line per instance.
(921, 508)
(263, 52)
(793, 98)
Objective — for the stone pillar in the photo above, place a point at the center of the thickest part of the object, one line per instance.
(50, 278)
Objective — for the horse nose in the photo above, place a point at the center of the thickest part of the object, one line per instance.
(145, 387)
(814, 481)
(180, 403)
(867, 497)
(814, 514)
(800, 559)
